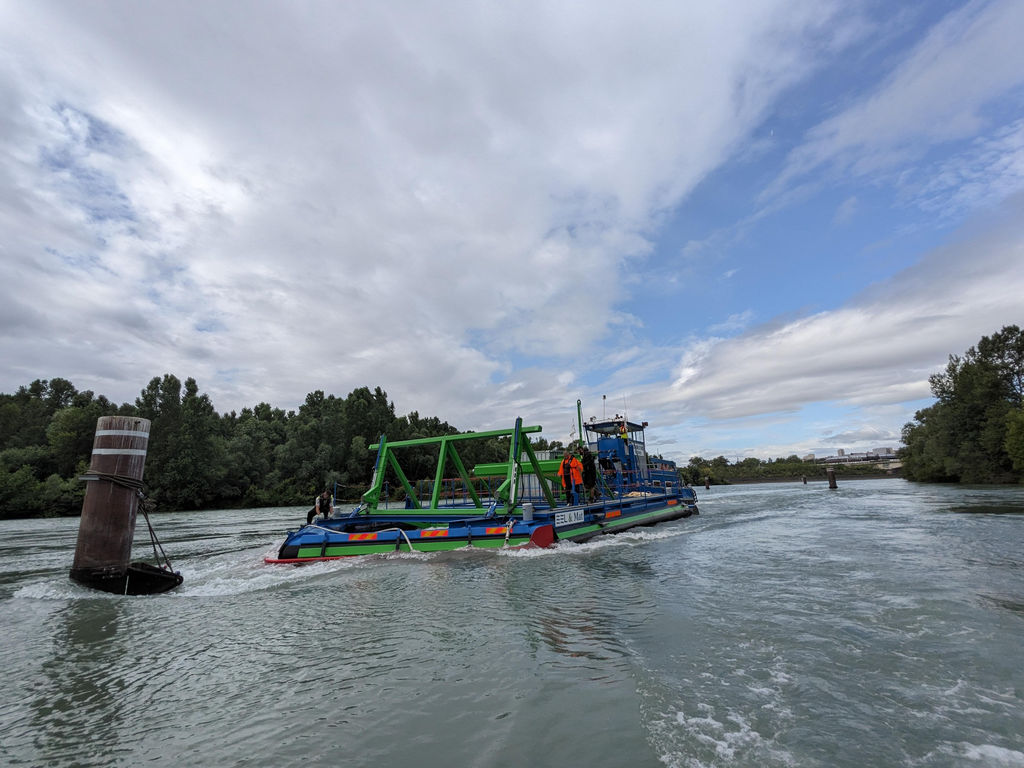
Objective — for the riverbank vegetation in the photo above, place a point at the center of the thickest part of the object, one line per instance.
(264, 456)
(199, 459)
(974, 433)
(720, 471)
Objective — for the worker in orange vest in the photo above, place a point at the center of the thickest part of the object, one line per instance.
(571, 472)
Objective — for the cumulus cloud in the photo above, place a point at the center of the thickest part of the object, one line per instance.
(409, 193)
(464, 203)
(947, 90)
(878, 349)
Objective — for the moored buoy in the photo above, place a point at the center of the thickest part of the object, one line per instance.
(112, 498)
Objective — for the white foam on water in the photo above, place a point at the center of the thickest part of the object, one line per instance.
(710, 727)
(531, 551)
(56, 590)
(703, 740)
(965, 698)
(221, 582)
(631, 538)
(246, 571)
(562, 548)
(217, 576)
(959, 688)
(409, 555)
(987, 755)
(991, 755)
(241, 571)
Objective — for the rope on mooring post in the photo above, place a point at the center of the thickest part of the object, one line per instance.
(145, 503)
(122, 480)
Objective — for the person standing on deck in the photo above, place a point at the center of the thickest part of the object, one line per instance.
(571, 472)
(323, 506)
(589, 473)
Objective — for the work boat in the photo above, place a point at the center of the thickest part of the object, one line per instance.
(513, 504)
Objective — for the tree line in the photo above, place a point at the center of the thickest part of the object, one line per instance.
(264, 456)
(721, 471)
(199, 459)
(974, 432)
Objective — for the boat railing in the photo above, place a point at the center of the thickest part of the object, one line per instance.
(455, 491)
(624, 482)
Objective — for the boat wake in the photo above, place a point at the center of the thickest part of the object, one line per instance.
(229, 571)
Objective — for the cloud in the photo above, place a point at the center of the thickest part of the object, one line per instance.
(735, 322)
(869, 434)
(947, 90)
(879, 348)
(990, 170)
(846, 211)
(471, 205)
(358, 194)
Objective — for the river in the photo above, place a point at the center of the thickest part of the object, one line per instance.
(879, 624)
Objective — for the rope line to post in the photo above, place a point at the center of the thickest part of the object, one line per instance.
(145, 504)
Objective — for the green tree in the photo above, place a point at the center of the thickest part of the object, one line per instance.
(359, 463)
(25, 415)
(250, 445)
(160, 402)
(20, 494)
(198, 459)
(1015, 438)
(968, 434)
(71, 430)
(185, 460)
(191, 476)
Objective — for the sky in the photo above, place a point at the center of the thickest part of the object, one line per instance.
(759, 226)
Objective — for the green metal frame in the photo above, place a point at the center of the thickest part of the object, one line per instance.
(519, 444)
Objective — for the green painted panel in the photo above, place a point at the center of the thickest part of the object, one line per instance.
(579, 531)
(500, 468)
(439, 545)
(360, 549)
(625, 522)
(442, 545)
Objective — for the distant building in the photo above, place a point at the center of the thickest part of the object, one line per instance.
(881, 455)
(808, 457)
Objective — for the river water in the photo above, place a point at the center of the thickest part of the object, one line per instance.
(879, 624)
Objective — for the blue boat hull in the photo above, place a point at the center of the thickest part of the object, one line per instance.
(435, 530)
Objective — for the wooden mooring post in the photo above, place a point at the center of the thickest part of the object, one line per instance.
(831, 478)
(112, 497)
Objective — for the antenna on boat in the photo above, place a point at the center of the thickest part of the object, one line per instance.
(579, 420)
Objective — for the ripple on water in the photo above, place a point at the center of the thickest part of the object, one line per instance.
(783, 626)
